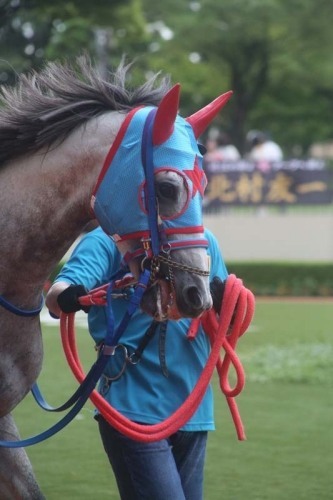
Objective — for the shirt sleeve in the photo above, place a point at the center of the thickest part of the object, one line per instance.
(94, 260)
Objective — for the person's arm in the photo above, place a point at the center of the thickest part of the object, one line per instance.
(90, 265)
(218, 271)
(51, 300)
(63, 297)
(217, 287)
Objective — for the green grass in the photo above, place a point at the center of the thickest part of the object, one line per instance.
(286, 407)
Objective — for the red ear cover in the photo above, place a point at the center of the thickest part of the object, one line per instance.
(166, 115)
(202, 118)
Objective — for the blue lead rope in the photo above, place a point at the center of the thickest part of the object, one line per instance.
(63, 422)
(81, 395)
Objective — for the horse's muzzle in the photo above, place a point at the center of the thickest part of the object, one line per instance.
(163, 302)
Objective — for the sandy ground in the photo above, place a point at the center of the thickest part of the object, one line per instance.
(263, 236)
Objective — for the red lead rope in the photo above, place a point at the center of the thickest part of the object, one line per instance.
(236, 314)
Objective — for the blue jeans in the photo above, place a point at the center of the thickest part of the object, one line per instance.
(171, 469)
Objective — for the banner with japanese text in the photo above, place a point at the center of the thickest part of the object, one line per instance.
(280, 183)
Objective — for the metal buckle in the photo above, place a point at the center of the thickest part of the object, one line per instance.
(123, 367)
(146, 243)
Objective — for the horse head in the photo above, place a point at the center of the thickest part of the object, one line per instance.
(148, 198)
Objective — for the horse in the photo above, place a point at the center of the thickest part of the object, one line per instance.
(61, 128)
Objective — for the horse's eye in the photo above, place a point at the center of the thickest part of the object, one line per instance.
(167, 190)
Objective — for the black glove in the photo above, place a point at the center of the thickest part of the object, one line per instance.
(68, 300)
(217, 287)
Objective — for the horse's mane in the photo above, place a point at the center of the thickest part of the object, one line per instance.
(46, 105)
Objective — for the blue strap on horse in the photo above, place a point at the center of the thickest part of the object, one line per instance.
(148, 165)
(21, 312)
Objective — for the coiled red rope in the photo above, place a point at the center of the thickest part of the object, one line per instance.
(236, 314)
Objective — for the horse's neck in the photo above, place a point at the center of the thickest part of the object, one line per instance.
(45, 203)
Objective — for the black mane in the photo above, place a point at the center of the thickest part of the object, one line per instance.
(45, 106)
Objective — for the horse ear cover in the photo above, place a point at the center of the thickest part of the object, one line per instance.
(202, 118)
(166, 115)
(167, 112)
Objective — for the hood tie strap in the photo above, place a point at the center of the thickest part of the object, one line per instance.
(27, 313)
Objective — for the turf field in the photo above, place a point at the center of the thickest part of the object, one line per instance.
(286, 407)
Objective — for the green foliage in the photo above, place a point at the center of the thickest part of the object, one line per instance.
(285, 278)
(35, 31)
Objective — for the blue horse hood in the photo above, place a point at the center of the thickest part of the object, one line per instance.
(118, 199)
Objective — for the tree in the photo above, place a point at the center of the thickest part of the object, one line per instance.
(35, 31)
(274, 54)
(232, 38)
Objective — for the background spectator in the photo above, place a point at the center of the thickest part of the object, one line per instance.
(220, 148)
(262, 147)
(226, 149)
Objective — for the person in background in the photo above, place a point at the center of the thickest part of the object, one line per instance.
(226, 149)
(220, 148)
(211, 153)
(150, 391)
(262, 148)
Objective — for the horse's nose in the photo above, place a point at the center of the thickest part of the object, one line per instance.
(193, 298)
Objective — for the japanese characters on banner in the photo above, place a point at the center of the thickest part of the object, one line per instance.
(278, 183)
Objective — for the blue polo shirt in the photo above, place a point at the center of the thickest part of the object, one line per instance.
(150, 391)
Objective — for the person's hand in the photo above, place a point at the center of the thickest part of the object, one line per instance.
(68, 300)
(217, 287)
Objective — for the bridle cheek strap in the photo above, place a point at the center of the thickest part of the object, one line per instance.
(148, 165)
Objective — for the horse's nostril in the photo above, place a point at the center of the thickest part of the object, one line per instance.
(193, 297)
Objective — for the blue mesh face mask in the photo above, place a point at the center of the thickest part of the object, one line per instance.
(149, 141)
(120, 199)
